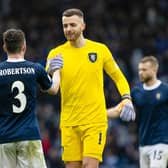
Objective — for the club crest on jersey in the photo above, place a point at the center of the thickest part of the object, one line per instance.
(92, 57)
(158, 96)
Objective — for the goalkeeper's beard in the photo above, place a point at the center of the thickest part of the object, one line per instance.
(72, 36)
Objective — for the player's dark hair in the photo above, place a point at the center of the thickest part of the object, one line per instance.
(153, 60)
(13, 40)
(73, 11)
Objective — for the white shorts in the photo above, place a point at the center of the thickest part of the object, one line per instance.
(154, 156)
(22, 154)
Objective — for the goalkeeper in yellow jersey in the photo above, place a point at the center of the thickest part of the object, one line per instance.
(83, 110)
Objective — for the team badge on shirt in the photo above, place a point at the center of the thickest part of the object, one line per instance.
(92, 57)
(158, 96)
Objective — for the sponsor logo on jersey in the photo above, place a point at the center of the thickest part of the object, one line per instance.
(92, 57)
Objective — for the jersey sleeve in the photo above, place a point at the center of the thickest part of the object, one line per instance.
(110, 66)
(43, 78)
(113, 70)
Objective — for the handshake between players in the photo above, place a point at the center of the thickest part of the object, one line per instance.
(55, 64)
(124, 109)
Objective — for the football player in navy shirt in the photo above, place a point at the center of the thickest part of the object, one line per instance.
(20, 142)
(150, 98)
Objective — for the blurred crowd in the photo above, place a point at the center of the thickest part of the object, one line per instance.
(131, 29)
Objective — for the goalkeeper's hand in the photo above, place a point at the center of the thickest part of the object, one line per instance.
(55, 64)
(127, 112)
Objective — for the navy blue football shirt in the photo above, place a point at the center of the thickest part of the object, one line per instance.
(152, 113)
(18, 85)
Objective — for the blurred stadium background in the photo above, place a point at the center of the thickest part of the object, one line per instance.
(131, 29)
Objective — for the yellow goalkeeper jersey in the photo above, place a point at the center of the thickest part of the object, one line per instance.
(81, 87)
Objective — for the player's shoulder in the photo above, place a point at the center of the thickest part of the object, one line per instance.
(27, 63)
(60, 47)
(57, 49)
(137, 92)
(35, 65)
(96, 43)
(2, 63)
(164, 85)
(138, 86)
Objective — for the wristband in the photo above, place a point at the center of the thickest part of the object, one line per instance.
(126, 96)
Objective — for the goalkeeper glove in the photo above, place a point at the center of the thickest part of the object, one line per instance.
(55, 63)
(127, 112)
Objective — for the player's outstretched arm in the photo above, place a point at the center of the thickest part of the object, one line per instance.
(113, 112)
(124, 110)
(55, 65)
(56, 83)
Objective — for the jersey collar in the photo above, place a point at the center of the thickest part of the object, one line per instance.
(15, 60)
(154, 86)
